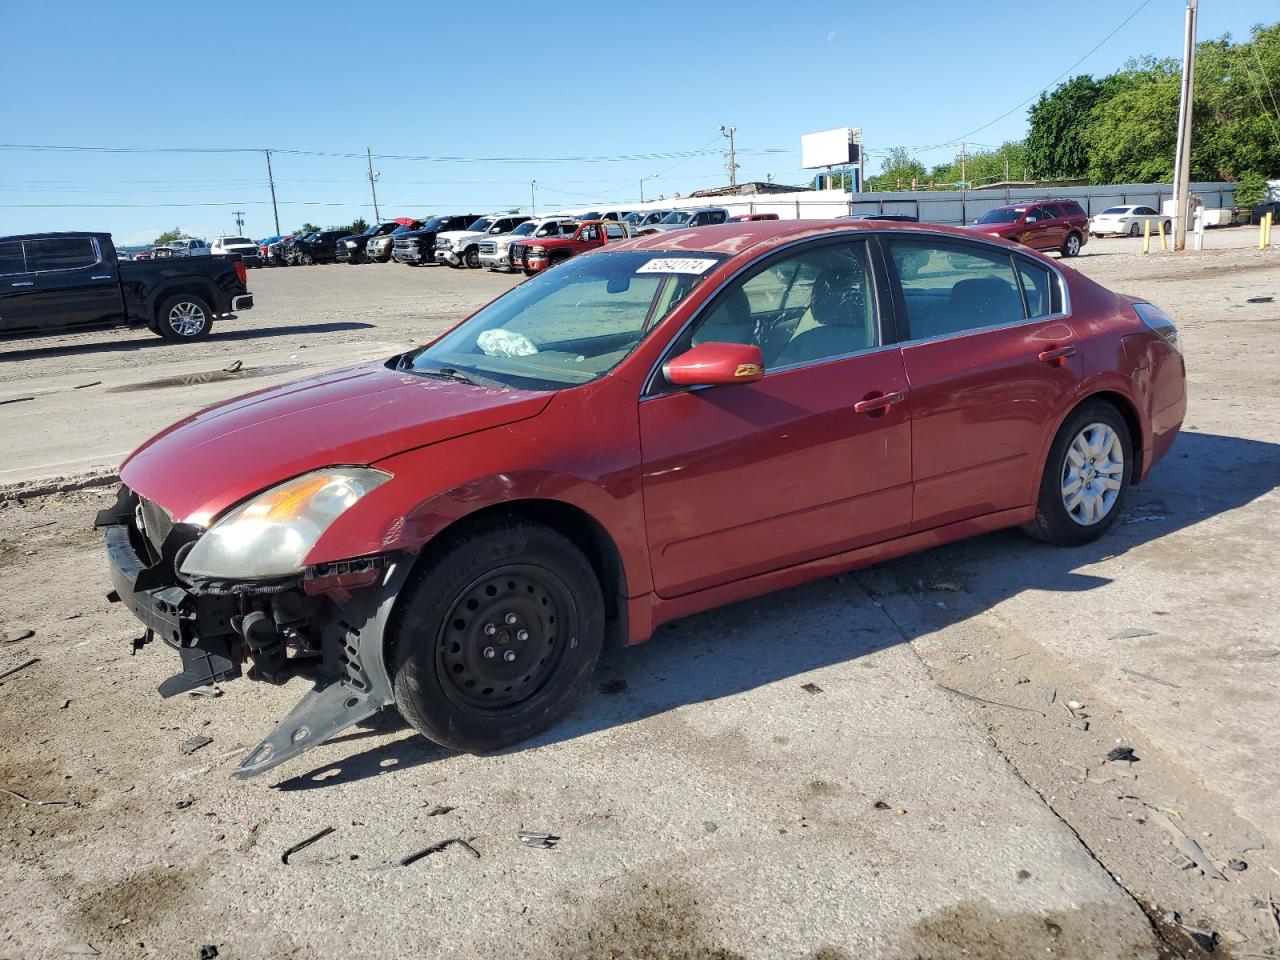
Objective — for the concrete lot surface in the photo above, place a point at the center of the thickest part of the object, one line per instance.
(903, 762)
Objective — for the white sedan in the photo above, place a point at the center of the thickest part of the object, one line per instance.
(1126, 221)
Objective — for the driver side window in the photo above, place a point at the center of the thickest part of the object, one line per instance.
(807, 307)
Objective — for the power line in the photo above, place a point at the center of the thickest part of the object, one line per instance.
(612, 158)
(1092, 51)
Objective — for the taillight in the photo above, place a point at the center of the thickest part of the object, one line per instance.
(1159, 322)
(241, 273)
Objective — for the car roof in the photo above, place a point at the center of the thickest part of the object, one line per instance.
(735, 238)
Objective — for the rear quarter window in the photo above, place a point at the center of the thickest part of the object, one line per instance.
(60, 253)
(11, 258)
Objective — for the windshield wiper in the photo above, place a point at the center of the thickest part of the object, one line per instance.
(448, 373)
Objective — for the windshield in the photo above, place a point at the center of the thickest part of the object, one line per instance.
(403, 229)
(481, 225)
(239, 241)
(675, 216)
(1117, 210)
(437, 223)
(525, 228)
(633, 217)
(1003, 215)
(570, 325)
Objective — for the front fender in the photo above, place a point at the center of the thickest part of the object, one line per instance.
(540, 459)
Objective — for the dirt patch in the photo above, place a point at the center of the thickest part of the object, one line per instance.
(971, 930)
(648, 922)
(205, 376)
(142, 899)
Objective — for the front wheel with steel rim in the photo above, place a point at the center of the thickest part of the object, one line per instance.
(496, 637)
(184, 317)
(472, 258)
(1086, 477)
(1071, 246)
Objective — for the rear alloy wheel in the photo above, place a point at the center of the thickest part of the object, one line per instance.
(1086, 477)
(184, 317)
(497, 638)
(1071, 246)
(1134, 231)
(1168, 225)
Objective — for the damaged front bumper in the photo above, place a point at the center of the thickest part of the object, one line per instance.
(326, 625)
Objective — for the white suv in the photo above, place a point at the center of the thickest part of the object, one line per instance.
(187, 247)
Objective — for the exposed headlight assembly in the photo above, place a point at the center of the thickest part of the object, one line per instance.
(271, 534)
(1160, 323)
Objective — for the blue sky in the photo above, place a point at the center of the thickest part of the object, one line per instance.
(570, 79)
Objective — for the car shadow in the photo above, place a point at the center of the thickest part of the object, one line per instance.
(790, 632)
(146, 340)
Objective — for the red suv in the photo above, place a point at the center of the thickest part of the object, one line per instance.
(654, 428)
(1060, 225)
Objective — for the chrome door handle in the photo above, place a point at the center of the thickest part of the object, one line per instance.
(1057, 355)
(872, 404)
(103, 276)
(24, 283)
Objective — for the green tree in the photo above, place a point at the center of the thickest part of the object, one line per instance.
(898, 171)
(1131, 136)
(358, 225)
(177, 233)
(306, 228)
(1252, 189)
(1058, 122)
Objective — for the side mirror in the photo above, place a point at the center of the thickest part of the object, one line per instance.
(714, 363)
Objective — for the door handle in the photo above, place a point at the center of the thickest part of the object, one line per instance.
(1056, 356)
(102, 276)
(24, 283)
(882, 402)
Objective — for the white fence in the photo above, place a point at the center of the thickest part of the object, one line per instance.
(940, 206)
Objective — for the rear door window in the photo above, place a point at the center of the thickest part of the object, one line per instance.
(11, 258)
(1038, 289)
(950, 288)
(60, 253)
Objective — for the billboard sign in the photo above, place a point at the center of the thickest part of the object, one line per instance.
(830, 148)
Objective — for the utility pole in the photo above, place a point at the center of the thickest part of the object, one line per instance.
(964, 179)
(373, 177)
(533, 198)
(1182, 159)
(1006, 169)
(271, 180)
(239, 215)
(733, 167)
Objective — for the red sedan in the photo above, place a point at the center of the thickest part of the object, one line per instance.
(654, 428)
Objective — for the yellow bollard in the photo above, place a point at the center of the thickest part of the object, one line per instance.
(1270, 220)
(1146, 236)
(1262, 230)
(1163, 245)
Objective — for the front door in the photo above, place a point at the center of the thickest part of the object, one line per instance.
(992, 360)
(811, 460)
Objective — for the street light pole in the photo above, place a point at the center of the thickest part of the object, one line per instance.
(533, 198)
(1182, 159)
(377, 217)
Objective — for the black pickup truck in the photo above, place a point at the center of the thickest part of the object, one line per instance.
(54, 282)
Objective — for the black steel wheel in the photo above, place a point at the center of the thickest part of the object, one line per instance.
(496, 637)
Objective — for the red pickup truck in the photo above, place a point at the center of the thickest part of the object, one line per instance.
(534, 256)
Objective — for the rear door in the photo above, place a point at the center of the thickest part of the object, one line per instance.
(75, 285)
(17, 289)
(810, 461)
(992, 360)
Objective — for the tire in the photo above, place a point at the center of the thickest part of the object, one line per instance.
(527, 272)
(461, 617)
(307, 260)
(472, 258)
(184, 317)
(1168, 225)
(1134, 231)
(1071, 246)
(1055, 522)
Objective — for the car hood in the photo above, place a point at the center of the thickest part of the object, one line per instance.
(210, 461)
(457, 236)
